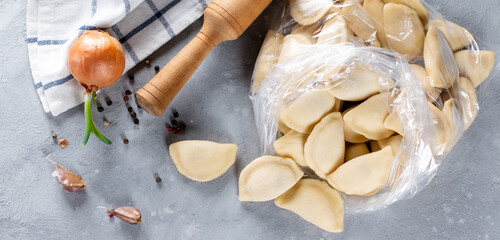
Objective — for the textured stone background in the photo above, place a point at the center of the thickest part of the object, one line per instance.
(462, 201)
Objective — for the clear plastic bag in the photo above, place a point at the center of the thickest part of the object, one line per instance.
(428, 70)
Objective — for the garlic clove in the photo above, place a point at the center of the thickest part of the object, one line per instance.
(128, 214)
(68, 180)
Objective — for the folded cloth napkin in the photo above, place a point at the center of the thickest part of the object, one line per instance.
(141, 26)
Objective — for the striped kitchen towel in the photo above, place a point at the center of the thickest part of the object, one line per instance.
(142, 26)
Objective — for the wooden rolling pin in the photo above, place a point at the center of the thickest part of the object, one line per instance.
(224, 20)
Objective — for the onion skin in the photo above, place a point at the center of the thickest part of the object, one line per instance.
(96, 60)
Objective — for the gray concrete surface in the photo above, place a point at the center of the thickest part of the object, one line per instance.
(462, 201)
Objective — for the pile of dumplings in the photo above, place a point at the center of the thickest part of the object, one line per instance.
(346, 137)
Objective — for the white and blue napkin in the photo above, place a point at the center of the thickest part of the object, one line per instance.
(141, 26)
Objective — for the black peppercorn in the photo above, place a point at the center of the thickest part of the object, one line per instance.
(175, 114)
(100, 109)
(109, 102)
(136, 121)
(158, 179)
(182, 125)
(130, 109)
(128, 92)
(133, 114)
(157, 68)
(131, 76)
(125, 141)
(173, 122)
(54, 136)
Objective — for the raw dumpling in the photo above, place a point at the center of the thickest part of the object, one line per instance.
(360, 22)
(468, 98)
(350, 135)
(451, 113)
(282, 127)
(307, 12)
(392, 122)
(432, 92)
(202, 160)
(315, 202)
(439, 61)
(364, 175)
(268, 56)
(325, 147)
(358, 84)
(404, 31)
(475, 68)
(335, 30)
(295, 45)
(417, 6)
(355, 150)
(376, 9)
(291, 145)
(456, 36)
(441, 126)
(268, 177)
(308, 110)
(393, 141)
(368, 118)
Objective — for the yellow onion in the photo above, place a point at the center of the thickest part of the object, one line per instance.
(96, 60)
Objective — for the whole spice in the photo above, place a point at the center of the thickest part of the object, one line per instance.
(169, 128)
(147, 62)
(136, 121)
(128, 92)
(54, 136)
(68, 180)
(100, 109)
(125, 98)
(125, 141)
(158, 180)
(63, 143)
(175, 114)
(182, 125)
(173, 122)
(130, 109)
(96, 60)
(131, 77)
(133, 114)
(109, 102)
(130, 215)
(106, 123)
(157, 68)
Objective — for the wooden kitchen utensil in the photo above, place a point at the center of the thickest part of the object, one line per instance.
(224, 20)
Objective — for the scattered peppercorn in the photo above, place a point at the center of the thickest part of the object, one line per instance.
(157, 68)
(100, 109)
(125, 98)
(130, 109)
(175, 131)
(178, 128)
(54, 136)
(133, 114)
(173, 122)
(109, 102)
(182, 125)
(147, 62)
(175, 114)
(131, 76)
(106, 123)
(125, 141)
(169, 128)
(136, 121)
(63, 143)
(158, 179)
(128, 92)
(111, 215)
